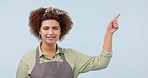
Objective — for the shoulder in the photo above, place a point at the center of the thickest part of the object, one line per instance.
(70, 55)
(71, 52)
(29, 56)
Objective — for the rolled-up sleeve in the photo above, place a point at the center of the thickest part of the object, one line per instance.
(85, 63)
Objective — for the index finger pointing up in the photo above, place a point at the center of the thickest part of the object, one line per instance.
(116, 17)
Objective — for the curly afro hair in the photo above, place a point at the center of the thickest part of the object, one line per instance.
(37, 16)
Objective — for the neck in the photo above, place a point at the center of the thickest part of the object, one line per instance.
(48, 48)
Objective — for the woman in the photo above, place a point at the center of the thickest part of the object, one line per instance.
(49, 60)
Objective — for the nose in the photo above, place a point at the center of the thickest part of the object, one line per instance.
(50, 31)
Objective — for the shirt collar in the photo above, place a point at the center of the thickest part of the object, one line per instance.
(42, 54)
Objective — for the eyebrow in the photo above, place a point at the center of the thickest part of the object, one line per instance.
(52, 26)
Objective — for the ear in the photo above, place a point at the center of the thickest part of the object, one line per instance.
(39, 31)
(60, 33)
(39, 34)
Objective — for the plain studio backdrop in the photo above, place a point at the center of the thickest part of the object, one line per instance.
(90, 18)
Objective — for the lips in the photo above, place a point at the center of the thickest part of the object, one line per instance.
(51, 37)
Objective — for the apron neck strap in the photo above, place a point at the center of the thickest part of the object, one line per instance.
(37, 55)
(62, 54)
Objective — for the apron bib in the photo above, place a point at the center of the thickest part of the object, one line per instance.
(54, 69)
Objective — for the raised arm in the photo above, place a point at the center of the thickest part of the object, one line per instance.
(111, 28)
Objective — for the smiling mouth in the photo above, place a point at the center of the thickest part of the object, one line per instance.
(50, 38)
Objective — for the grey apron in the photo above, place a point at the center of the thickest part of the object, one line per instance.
(54, 69)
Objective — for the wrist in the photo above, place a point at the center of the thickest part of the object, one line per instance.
(109, 33)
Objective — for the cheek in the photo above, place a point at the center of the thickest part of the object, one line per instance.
(59, 34)
(42, 34)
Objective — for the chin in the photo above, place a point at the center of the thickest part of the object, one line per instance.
(51, 42)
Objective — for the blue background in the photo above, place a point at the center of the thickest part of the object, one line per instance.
(90, 19)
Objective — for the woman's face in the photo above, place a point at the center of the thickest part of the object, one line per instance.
(50, 31)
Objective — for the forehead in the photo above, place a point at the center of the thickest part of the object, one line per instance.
(50, 22)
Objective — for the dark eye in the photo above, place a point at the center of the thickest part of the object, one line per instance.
(55, 28)
(45, 28)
